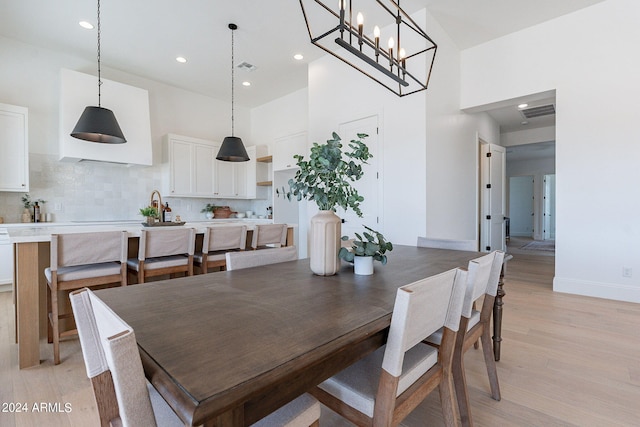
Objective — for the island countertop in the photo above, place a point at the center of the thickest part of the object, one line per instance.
(41, 232)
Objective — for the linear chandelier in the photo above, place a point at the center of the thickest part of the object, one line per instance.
(403, 66)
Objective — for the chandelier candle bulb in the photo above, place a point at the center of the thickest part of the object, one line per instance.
(391, 44)
(360, 21)
(376, 36)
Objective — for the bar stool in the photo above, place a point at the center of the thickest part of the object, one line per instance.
(81, 260)
(248, 259)
(269, 234)
(166, 251)
(216, 242)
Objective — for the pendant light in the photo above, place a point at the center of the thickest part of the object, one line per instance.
(97, 124)
(232, 149)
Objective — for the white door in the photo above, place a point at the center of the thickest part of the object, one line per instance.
(549, 230)
(368, 185)
(492, 201)
(521, 208)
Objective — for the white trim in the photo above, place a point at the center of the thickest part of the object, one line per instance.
(613, 291)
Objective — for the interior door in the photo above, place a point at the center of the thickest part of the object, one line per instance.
(549, 231)
(492, 206)
(368, 185)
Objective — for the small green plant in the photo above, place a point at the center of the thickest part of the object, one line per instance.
(28, 203)
(327, 176)
(149, 211)
(210, 208)
(373, 244)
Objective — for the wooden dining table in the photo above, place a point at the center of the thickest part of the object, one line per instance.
(228, 348)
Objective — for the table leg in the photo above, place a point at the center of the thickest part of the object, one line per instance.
(497, 314)
(27, 304)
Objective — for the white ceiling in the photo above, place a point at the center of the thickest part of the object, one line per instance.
(143, 37)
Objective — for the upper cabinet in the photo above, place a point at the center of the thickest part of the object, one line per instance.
(193, 170)
(130, 106)
(286, 147)
(191, 163)
(14, 148)
(237, 180)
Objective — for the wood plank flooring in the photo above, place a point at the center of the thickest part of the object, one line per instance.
(566, 361)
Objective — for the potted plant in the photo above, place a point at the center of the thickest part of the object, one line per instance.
(150, 213)
(208, 210)
(327, 178)
(365, 250)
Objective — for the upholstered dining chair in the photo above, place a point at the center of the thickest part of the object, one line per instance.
(164, 251)
(247, 259)
(269, 234)
(81, 260)
(123, 395)
(385, 386)
(482, 282)
(216, 242)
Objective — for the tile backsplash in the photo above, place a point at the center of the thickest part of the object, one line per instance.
(96, 191)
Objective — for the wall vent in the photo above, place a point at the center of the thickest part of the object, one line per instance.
(542, 110)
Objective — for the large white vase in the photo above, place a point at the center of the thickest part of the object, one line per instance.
(324, 243)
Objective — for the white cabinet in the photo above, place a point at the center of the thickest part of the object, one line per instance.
(14, 148)
(286, 147)
(192, 166)
(236, 180)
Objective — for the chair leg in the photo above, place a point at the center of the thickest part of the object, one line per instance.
(49, 315)
(56, 326)
(447, 400)
(487, 350)
(462, 393)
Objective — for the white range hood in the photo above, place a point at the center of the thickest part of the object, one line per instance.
(130, 106)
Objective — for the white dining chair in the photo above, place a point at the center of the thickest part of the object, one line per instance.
(384, 387)
(247, 259)
(482, 282)
(123, 395)
(217, 241)
(81, 260)
(164, 251)
(266, 236)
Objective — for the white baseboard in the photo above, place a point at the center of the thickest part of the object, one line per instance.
(613, 291)
(459, 245)
(6, 287)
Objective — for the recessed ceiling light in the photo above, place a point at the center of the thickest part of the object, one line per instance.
(524, 123)
(86, 24)
(246, 83)
(181, 59)
(521, 106)
(298, 56)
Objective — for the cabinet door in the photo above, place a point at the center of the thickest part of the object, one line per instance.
(180, 167)
(225, 177)
(285, 148)
(14, 149)
(204, 173)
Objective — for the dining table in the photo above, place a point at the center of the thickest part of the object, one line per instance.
(228, 348)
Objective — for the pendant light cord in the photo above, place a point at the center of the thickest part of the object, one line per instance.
(99, 79)
(233, 27)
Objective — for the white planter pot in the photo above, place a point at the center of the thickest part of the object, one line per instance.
(363, 265)
(324, 243)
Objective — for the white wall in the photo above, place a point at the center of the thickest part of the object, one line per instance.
(429, 148)
(590, 58)
(281, 117)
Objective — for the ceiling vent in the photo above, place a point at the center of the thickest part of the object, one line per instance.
(542, 110)
(246, 66)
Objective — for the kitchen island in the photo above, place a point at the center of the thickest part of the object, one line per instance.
(31, 256)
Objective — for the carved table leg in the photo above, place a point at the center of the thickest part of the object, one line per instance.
(497, 310)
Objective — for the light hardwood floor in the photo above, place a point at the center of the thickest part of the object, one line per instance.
(566, 361)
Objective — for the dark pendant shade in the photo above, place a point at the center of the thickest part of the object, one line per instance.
(232, 150)
(97, 124)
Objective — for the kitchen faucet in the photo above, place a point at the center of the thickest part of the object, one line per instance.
(160, 207)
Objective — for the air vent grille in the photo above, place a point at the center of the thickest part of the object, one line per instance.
(246, 66)
(543, 110)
